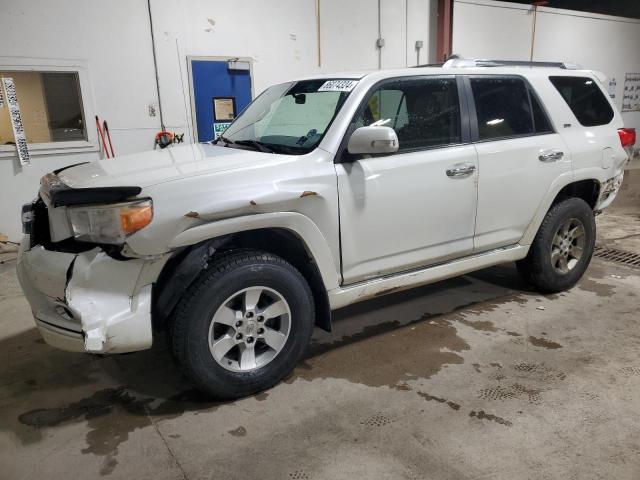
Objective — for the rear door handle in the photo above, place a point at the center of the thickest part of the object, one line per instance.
(461, 170)
(550, 155)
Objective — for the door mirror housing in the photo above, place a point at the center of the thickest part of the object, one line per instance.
(372, 140)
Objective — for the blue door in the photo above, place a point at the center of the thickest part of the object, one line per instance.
(220, 93)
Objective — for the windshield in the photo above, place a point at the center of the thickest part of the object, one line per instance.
(289, 118)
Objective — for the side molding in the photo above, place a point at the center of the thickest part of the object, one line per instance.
(341, 297)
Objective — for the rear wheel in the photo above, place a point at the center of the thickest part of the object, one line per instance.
(562, 248)
(243, 325)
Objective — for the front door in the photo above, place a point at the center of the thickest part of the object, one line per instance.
(416, 207)
(221, 90)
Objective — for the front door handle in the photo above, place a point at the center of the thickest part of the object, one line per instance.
(461, 170)
(550, 155)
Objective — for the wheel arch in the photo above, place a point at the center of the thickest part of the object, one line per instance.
(189, 260)
(586, 188)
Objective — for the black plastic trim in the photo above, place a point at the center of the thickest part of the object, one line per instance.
(55, 172)
(82, 196)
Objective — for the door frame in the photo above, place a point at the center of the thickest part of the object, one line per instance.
(190, 58)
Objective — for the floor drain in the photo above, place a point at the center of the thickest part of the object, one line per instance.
(628, 258)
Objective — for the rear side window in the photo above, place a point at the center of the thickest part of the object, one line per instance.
(425, 113)
(505, 107)
(585, 99)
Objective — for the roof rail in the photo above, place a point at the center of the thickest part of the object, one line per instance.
(458, 62)
(428, 65)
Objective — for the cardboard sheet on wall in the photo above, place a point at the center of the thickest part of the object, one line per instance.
(16, 120)
(631, 93)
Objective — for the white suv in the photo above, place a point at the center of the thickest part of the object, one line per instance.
(323, 192)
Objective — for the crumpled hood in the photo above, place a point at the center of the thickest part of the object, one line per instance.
(158, 166)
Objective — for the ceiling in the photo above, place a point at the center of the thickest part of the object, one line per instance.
(620, 8)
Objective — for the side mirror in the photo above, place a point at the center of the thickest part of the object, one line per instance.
(373, 139)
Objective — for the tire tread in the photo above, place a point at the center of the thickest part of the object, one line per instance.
(534, 269)
(219, 265)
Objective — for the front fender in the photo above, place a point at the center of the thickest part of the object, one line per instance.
(301, 225)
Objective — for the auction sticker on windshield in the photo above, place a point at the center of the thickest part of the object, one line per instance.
(338, 86)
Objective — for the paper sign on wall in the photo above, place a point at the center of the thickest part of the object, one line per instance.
(219, 128)
(224, 109)
(16, 120)
(631, 93)
(338, 86)
(611, 89)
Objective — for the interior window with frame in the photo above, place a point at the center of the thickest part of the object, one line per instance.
(50, 106)
(424, 112)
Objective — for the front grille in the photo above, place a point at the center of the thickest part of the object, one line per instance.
(628, 258)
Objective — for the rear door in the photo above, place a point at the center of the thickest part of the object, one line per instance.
(519, 156)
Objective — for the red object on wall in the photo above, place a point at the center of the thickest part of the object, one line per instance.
(445, 30)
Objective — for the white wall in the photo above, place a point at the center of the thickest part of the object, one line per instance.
(113, 39)
(501, 30)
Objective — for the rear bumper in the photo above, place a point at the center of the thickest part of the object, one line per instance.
(87, 302)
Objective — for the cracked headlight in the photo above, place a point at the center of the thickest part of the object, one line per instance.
(109, 223)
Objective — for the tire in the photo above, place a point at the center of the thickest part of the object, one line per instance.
(543, 267)
(223, 295)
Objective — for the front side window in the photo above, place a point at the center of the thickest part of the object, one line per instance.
(50, 106)
(585, 99)
(502, 107)
(289, 118)
(423, 112)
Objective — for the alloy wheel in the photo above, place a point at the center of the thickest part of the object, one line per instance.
(249, 329)
(568, 245)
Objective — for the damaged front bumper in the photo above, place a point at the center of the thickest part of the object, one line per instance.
(88, 302)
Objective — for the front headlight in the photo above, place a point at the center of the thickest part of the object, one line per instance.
(110, 223)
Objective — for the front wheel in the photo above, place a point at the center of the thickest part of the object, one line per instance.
(562, 248)
(243, 325)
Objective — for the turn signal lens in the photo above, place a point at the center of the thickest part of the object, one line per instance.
(135, 217)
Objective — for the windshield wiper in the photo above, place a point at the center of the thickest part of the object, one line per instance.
(226, 141)
(287, 149)
(261, 147)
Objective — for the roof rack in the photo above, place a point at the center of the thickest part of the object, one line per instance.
(428, 65)
(459, 62)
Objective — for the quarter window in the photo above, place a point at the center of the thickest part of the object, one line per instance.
(423, 112)
(585, 99)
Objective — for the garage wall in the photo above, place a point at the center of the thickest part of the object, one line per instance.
(502, 30)
(113, 41)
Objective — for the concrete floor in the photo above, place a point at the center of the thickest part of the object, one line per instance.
(476, 377)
